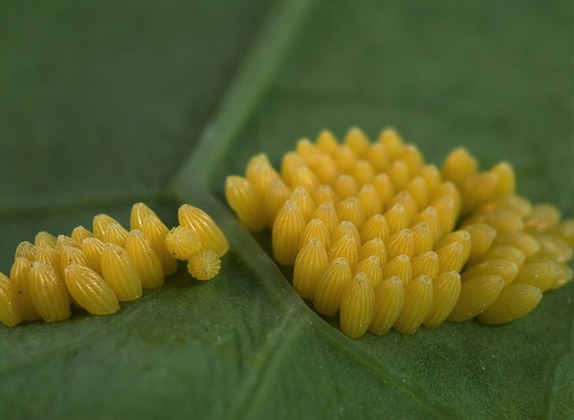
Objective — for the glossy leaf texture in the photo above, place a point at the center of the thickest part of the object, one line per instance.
(108, 103)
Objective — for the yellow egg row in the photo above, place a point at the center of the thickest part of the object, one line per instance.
(97, 269)
(369, 229)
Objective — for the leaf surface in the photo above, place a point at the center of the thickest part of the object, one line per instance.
(108, 104)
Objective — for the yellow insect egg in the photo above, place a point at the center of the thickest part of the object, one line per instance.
(70, 255)
(357, 141)
(447, 213)
(138, 214)
(19, 276)
(90, 291)
(446, 290)
(541, 275)
(327, 213)
(315, 229)
(425, 264)
(335, 279)
(503, 220)
(448, 189)
(147, 263)
(301, 197)
(350, 209)
(370, 200)
(325, 193)
(181, 242)
(519, 204)
(93, 248)
(275, 196)
(418, 302)
(302, 176)
(372, 267)
(287, 231)
(203, 225)
(204, 265)
(505, 269)
(397, 218)
(346, 247)
(307, 150)
(400, 173)
(259, 173)
(478, 189)
(45, 239)
(376, 247)
(514, 302)
(476, 295)
(156, 231)
(431, 217)
(375, 227)
(309, 266)
(399, 266)
(481, 238)
(542, 218)
(120, 273)
(432, 177)
(8, 315)
(304, 147)
(363, 172)
(326, 169)
(521, 240)
(565, 231)
(401, 243)
(377, 155)
(423, 238)
(115, 234)
(392, 142)
(513, 202)
(346, 158)
(20, 270)
(409, 203)
(418, 190)
(48, 255)
(79, 233)
(563, 275)
(327, 142)
(99, 224)
(506, 179)
(48, 293)
(26, 250)
(502, 252)
(389, 300)
(384, 187)
(346, 228)
(413, 157)
(289, 164)
(357, 307)
(450, 258)
(246, 202)
(63, 241)
(459, 165)
(345, 186)
(458, 236)
(551, 246)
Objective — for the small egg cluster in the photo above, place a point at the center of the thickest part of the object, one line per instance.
(95, 270)
(369, 228)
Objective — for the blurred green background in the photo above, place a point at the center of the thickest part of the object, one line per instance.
(106, 103)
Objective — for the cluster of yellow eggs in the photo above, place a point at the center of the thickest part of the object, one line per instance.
(370, 230)
(97, 269)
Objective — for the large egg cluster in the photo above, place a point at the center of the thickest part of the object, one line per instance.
(386, 240)
(95, 270)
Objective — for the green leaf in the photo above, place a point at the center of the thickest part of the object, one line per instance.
(108, 103)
